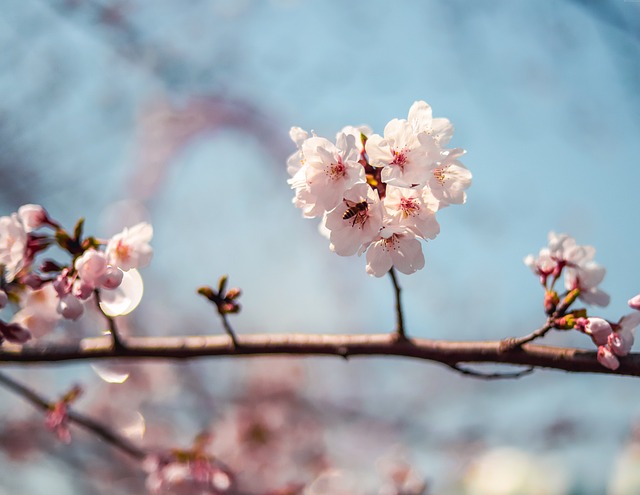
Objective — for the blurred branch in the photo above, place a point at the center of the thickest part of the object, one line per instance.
(85, 422)
(448, 353)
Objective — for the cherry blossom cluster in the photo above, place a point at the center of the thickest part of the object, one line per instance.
(187, 471)
(46, 290)
(582, 276)
(379, 193)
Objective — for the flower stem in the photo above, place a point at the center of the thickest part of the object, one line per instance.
(400, 334)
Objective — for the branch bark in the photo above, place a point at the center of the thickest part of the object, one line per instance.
(447, 353)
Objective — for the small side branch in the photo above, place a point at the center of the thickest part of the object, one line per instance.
(400, 333)
(229, 330)
(118, 344)
(540, 332)
(491, 376)
(85, 422)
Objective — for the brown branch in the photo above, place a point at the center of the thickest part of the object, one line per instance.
(444, 352)
(85, 422)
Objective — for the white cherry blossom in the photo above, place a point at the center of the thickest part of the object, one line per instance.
(13, 245)
(130, 248)
(32, 216)
(395, 246)
(421, 120)
(414, 209)
(348, 234)
(38, 312)
(331, 169)
(406, 157)
(449, 180)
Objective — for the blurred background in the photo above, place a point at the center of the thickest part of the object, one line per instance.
(178, 113)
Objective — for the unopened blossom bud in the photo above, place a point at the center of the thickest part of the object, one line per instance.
(70, 308)
(551, 301)
(607, 359)
(57, 419)
(63, 284)
(599, 330)
(567, 322)
(112, 278)
(48, 266)
(634, 303)
(570, 298)
(13, 332)
(4, 299)
(233, 294)
(32, 217)
(82, 290)
(621, 341)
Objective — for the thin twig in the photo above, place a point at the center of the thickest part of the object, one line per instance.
(118, 344)
(491, 376)
(540, 332)
(228, 329)
(87, 423)
(400, 333)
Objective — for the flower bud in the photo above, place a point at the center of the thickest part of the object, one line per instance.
(70, 308)
(32, 217)
(112, 278)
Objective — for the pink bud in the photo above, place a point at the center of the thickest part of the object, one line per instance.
(32, 217)
(599, 330)
(634, 303)
(14, 333)
(70, 308)
(607, 359)
(621, 342)
(112, 278)
(82, 290)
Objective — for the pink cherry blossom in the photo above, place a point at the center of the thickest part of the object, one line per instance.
(13, 245)
(414, 209)
(70, 307)
(57, 420)
(331, 169)
(421, 120)
(130, 248)
(38, 312)
(349, 232)
(406, 157)
(450, 179)
(91, 267)
(32, 216)
(395, 246)
(599, 330)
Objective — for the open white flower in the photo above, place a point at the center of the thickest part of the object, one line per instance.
(130, 248)
(406, 157)
(355, 221)
(395, 246)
